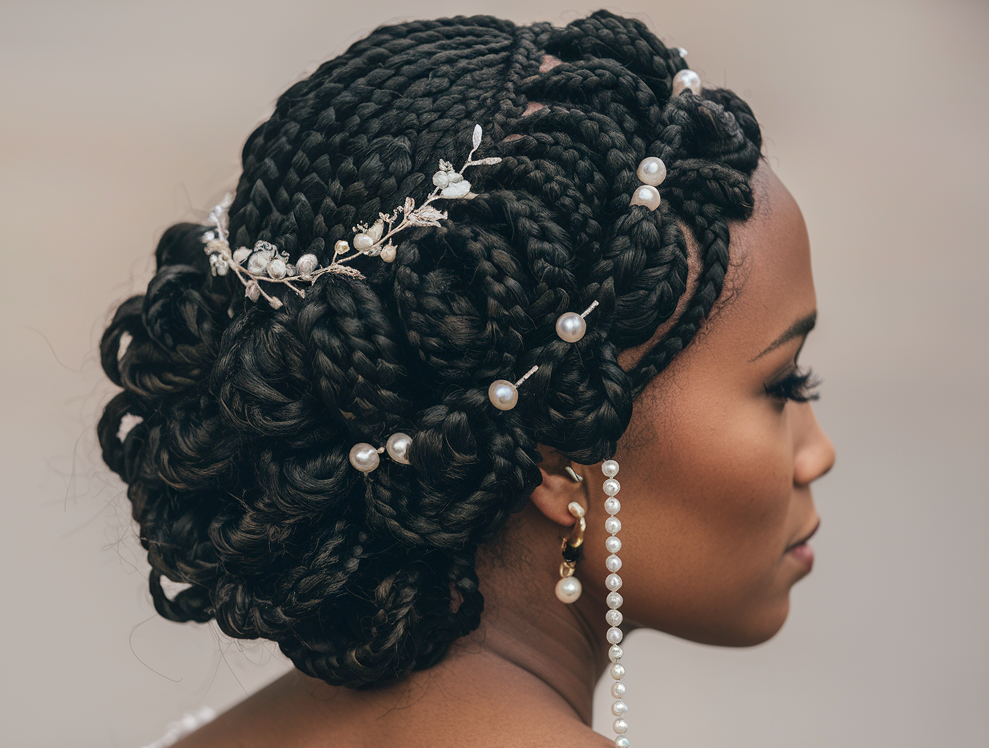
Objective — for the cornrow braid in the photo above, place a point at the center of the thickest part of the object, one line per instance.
(243, 415)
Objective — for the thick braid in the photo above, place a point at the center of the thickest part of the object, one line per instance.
(238, 466)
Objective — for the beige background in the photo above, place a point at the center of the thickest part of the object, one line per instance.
(120, 118)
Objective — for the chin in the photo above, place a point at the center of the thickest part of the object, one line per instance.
(758, 627)
(746, 628)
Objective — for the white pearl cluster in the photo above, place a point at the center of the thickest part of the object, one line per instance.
(365, 457)
(614, 582)
(570, 327)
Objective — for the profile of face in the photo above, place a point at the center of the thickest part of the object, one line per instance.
(717, 462)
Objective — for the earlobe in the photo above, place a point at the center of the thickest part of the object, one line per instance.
(558, 488)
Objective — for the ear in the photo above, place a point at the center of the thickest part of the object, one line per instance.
(558, 488)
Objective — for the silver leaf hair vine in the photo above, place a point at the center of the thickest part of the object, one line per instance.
(265, 264)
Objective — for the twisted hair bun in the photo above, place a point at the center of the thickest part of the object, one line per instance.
(238, 472)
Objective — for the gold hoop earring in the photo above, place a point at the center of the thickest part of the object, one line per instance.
(568, 589)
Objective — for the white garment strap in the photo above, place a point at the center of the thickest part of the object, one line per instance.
(188, 722)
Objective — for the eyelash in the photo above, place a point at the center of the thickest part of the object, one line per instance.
(799, 386)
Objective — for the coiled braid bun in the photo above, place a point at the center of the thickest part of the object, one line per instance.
(238, 470)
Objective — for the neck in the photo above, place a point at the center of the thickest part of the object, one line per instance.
(531, 666)
(528, 636)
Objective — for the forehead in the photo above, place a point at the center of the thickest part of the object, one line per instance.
(769, 284)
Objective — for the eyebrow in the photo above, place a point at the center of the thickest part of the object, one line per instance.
(799, 328)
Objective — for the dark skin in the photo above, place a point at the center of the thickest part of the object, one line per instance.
(715, 476)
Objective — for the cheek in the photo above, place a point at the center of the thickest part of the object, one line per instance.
(706, 509)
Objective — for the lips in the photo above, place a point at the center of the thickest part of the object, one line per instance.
(805, 539)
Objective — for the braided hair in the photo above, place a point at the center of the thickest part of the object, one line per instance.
(238, 469)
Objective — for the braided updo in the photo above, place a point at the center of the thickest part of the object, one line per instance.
(238, 468)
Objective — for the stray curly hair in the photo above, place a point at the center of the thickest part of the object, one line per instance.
(238, 469)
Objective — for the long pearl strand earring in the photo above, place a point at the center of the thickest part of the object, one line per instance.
(614, 582)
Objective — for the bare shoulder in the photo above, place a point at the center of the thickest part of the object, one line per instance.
(577, 735)
(287, 714)
(247, 724)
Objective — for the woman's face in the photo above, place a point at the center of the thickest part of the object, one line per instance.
(715, 471)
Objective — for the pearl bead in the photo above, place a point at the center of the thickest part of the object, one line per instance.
(615, 600)
(619, 708)
(220, 267)
(612, 505)
(615, 653)
(257, 262)
(612, 486)
(617, 671)
(621, 726)
(388, 253)
(686, 79)
(680, 51)
(614, 635)
(613, 582)
(398, 447)
(609, 468)
(613, 525)
(503, 394)
(652, 171)
(363, 242)
(568, 589)
(277, 269)
(341, 247)
(241, 254)
(646, 195)
(571, 327)
(617, 689)
(307, 264)
(621, 742)
(364, 457)
(613, 563)
(614, 617)
(613, 544)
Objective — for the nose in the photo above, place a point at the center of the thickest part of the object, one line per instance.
(814, 455)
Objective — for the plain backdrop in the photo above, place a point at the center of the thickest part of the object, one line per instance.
(118, 119)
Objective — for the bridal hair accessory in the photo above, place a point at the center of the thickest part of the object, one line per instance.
(365, 457)
(613, 582)
(568, 589)
(265, 264)
(652, 170)
(570, 327)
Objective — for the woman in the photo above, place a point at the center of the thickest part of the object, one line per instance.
(374, 436)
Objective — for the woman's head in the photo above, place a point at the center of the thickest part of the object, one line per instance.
(239, 472)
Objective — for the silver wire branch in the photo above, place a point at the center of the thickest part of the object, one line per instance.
(266, 264)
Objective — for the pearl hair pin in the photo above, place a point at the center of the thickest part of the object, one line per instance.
(651, 172)
(685, 80)
(570, 327)
(365, 457)
(266, 264)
